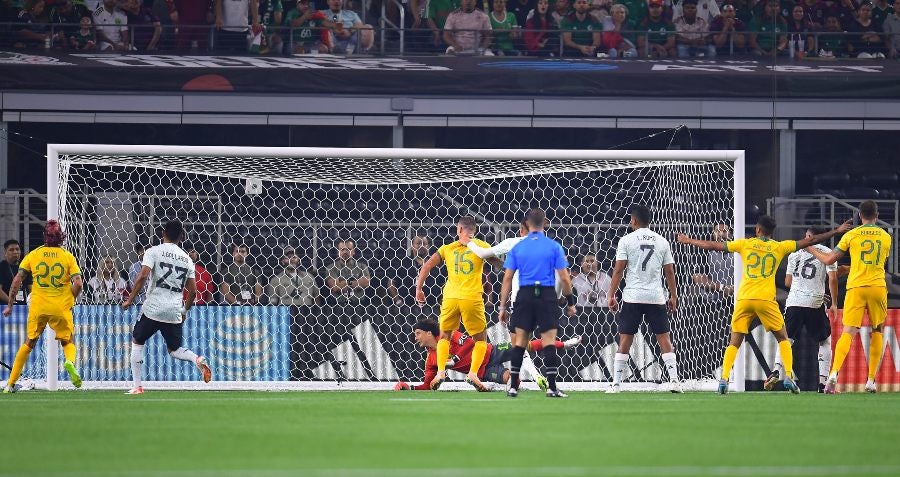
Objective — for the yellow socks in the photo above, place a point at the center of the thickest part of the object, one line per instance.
(787, 357)
(18, 364)
(840, 352)
(69, 352)
(478, 356)
(728, 361)
(443, 353)
(876, 346)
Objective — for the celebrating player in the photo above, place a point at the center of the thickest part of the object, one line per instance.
(756, 296)
(647, 256)
(57, 283)
(868, 246)
(804, 308)
(171, 272)
(463, 300)
(492, 370)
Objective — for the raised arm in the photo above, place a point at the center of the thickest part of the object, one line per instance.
(806, 242)
(492, 254)
(826, 258)
(704, 244)
(483, 253)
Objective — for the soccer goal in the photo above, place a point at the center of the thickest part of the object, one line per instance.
(323, 299)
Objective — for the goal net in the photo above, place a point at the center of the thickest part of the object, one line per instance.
(312, 253)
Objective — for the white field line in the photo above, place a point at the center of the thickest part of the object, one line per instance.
(655, 471)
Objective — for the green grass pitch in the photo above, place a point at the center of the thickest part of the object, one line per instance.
(356, 434)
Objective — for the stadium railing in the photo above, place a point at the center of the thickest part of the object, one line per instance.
(25, 212)
(392, 39)
(795, 214)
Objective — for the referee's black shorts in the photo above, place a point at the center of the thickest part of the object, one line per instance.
(536, 308)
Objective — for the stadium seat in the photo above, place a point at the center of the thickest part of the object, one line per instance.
(882, 181)
(832, 182)
(888, 194)
(860, 192)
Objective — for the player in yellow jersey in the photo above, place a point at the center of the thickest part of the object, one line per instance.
(756, 296)
(868, 246)
(57, 283)
(463, 300)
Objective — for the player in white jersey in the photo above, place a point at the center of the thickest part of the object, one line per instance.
(805, 308)
(499, 251)
(165, 308)
(646, 256)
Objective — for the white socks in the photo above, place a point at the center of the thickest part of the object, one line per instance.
(824, 359)
(619, 366)
(528, 366)
(137, 363)
(671, 365)
(184, 354)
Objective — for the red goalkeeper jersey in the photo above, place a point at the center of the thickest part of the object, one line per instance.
(460, 346)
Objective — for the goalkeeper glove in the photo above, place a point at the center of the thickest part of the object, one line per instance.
(451, 361)
(401, 386)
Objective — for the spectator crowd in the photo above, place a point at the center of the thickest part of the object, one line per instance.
(569, 28)
(345, 280)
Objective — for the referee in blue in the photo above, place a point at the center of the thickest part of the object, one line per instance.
(537, 259)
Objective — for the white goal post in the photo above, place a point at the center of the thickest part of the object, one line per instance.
(381, 205)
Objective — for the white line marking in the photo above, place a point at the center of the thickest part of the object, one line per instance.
(656, 471)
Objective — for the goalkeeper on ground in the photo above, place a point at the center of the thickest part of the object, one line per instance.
(494, 368)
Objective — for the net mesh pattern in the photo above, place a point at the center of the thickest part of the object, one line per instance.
(334, 244)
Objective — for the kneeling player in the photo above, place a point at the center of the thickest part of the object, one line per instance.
(493, 369)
